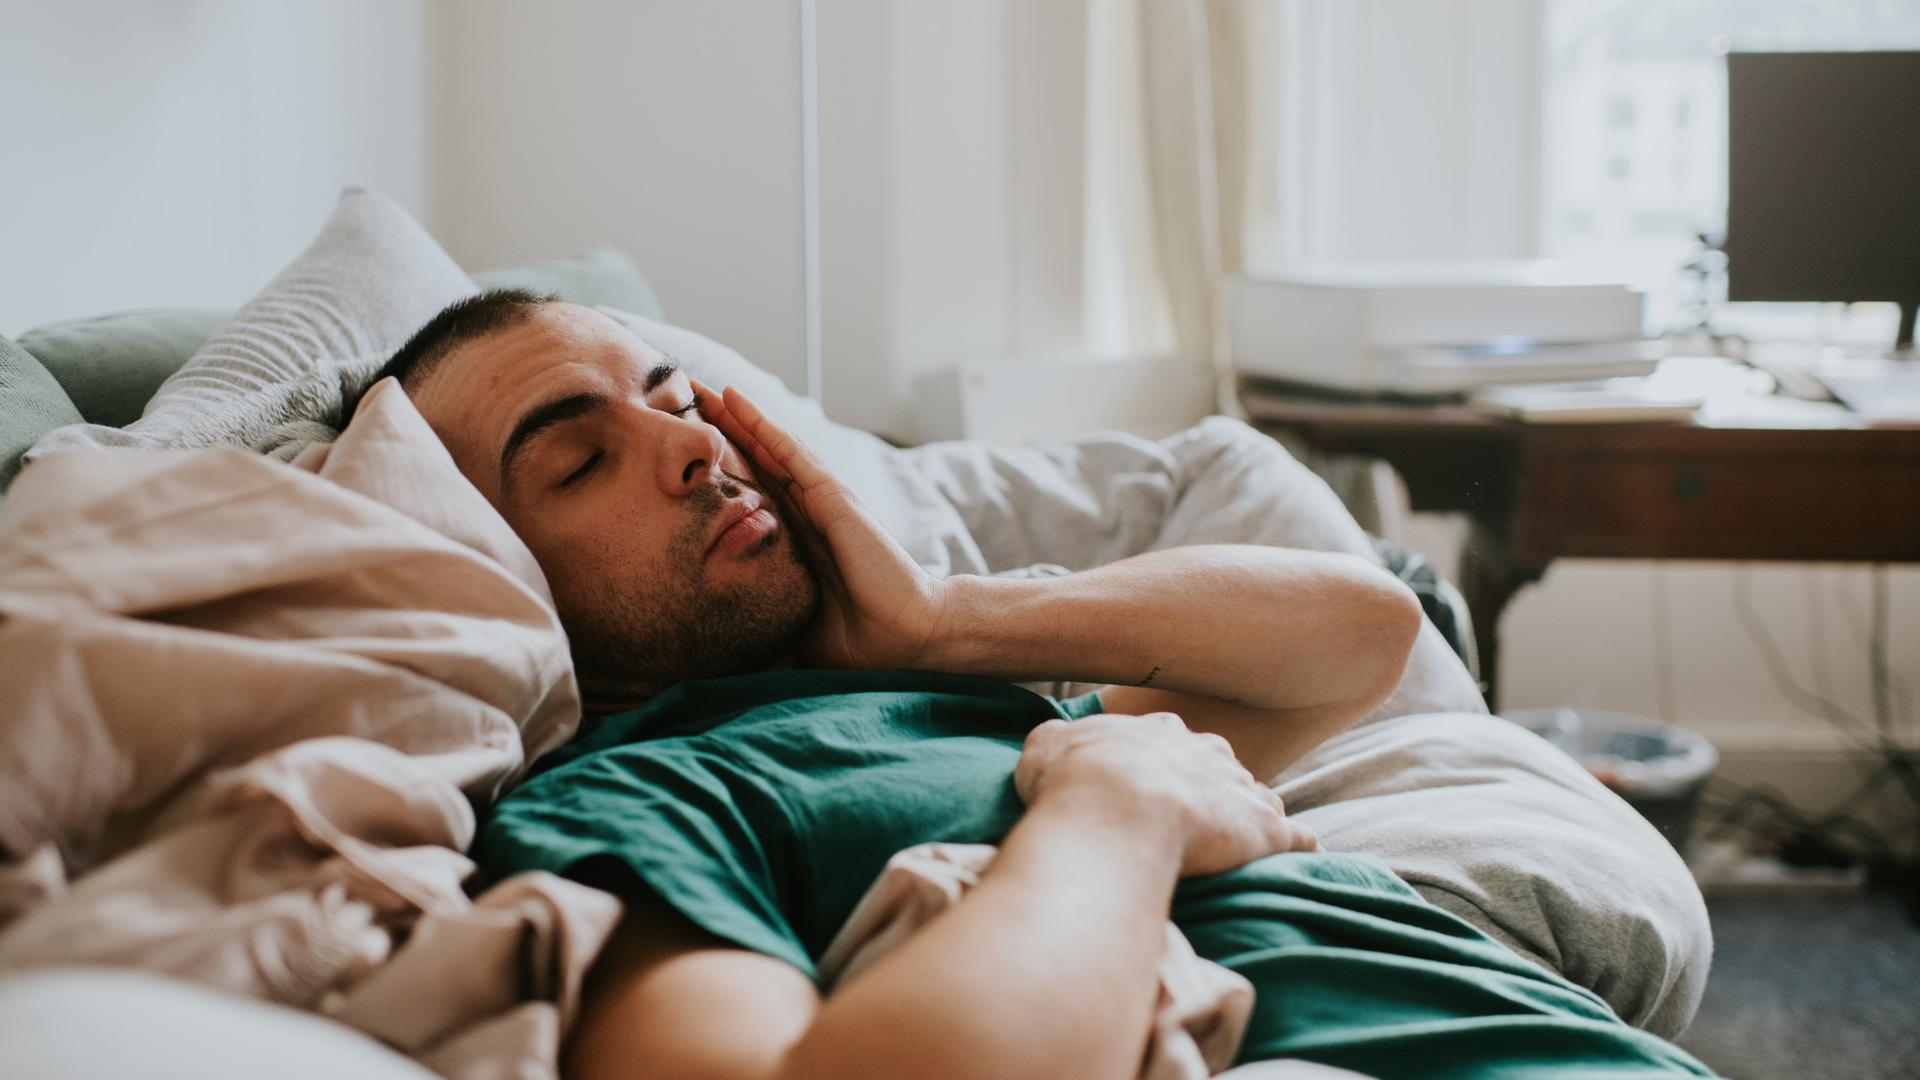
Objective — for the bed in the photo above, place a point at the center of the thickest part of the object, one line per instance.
(1481, 817)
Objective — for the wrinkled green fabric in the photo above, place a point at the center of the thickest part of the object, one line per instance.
(112, 365)
(31, 404)
(762, 807)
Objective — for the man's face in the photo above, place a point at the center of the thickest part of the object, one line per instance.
(666, 557)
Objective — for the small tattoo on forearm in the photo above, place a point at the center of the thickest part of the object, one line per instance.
(1148, 681)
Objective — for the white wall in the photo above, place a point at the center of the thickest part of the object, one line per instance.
(950, 191)
(181, 153)
(1591, 634)
(668, 129)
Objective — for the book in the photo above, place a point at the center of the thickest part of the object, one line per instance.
(1428, 327)
(1882, 392)
(1597, 401)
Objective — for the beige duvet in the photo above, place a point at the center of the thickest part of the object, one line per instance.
(248, 752)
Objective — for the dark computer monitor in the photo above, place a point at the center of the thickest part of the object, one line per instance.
(1823, 178)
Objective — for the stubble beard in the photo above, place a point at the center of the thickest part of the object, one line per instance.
(631, 643)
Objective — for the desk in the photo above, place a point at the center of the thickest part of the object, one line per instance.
(1825, 488)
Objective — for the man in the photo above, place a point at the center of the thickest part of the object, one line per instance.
(802, 700)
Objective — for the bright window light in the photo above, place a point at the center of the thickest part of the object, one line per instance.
(1634, 119)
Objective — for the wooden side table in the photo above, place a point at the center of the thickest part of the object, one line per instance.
(1828, 490)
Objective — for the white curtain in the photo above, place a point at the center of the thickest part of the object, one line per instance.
(1181, 163)
(1182, 190)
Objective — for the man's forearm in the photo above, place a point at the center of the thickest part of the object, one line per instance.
(1046, 969)
(1266, 627)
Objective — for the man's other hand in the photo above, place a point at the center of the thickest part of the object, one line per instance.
(1154, 768)
(878, 608)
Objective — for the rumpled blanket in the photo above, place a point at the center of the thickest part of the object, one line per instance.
(1198, 1021)
(250, 710)
(1479, 816)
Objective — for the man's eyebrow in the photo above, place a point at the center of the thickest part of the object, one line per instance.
(658, 374)
(540, 418)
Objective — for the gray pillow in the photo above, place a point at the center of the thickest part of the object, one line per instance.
(275, 378)
(31, 404)
(112, 365)
(595, 277)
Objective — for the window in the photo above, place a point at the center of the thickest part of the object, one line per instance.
(1590, 130)
(1634, 115)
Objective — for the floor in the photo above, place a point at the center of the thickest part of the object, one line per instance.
(1811, 986)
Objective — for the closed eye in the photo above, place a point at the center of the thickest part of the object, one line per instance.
(688, 407)
(586, 467)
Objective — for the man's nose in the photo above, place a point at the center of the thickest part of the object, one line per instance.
(690, 450)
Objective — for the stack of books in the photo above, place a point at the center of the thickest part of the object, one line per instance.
(1435, 328)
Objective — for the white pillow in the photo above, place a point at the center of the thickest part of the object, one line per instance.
(171, 1029)
(275, 377)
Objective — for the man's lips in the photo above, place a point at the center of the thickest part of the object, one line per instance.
(745, 520)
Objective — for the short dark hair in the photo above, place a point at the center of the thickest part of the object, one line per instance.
(462, 321)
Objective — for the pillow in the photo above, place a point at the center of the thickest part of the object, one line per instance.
(274, 378)
(112, 365)
(49, 1020)
(594, 277)
(31, 403)
(1490, 822)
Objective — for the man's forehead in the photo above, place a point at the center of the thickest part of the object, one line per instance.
(474, 395)
(551, 336)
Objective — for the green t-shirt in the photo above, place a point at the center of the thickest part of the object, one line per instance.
(762, 807)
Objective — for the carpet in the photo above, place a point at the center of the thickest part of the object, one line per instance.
(1811, 985)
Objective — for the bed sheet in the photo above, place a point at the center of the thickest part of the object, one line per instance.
(1480, 816)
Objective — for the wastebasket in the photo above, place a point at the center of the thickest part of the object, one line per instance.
(1659, 769)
